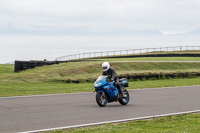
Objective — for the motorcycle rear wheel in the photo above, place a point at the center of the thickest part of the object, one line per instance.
(124, 101)
(101, 99)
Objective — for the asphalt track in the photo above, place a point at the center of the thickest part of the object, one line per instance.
(20, 114)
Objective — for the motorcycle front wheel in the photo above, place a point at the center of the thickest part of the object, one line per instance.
(101, 99)
(125, 100)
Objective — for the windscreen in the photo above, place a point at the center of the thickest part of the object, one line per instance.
(100, 78)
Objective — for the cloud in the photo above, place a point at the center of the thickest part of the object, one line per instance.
(101, 16)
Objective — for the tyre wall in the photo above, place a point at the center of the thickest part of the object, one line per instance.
(24, 65)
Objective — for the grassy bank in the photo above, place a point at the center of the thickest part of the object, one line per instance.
(83, 71)
(143, 59)
(6, 69)
(187, 123)
(52, 79)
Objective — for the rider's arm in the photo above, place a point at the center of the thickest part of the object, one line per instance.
(104, 73)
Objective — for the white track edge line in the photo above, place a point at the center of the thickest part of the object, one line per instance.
(45, 95)
(115, 121)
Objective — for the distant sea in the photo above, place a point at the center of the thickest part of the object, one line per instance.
(50, 47)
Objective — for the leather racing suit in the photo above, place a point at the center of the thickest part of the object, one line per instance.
(113, 77)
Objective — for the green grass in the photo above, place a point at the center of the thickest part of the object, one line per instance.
(22, 89)
(50, 79)
(143, 59)
(91, 70)
(187, 123)
(6, 69)
(164, 83)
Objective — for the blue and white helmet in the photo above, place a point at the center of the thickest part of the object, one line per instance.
(105, 66)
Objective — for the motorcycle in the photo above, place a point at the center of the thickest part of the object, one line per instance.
(106, 92)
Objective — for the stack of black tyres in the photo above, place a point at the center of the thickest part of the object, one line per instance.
(49, 62)
(45, 63)
(24, 65)
(18, 66)
(33, 64)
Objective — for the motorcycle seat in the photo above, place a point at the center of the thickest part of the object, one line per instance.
(120, 83)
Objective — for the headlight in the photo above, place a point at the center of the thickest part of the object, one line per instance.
(97, 84)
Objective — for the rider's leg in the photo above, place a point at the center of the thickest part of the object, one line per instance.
(119, 88)
(121, 91)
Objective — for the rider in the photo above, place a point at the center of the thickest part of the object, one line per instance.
(107, 70)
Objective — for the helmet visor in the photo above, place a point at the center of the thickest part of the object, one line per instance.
(104, 68)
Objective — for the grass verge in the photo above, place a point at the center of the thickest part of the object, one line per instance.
(187, 123)
(21, 89)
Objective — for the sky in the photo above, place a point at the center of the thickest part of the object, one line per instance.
(80, 17)
(47, 29)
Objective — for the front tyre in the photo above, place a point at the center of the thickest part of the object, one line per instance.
(125, 100)
(101, 99)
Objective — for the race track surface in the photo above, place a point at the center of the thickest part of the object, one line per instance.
(18, 114)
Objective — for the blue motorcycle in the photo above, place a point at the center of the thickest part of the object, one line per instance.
(106, 91)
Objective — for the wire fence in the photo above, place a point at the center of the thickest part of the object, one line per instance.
(127, 52)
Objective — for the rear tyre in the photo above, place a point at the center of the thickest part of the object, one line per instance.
(125, 100)
(101, 99)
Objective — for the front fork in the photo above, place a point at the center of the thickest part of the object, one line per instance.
(103, 95)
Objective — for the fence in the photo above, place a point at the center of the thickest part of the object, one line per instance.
(127, 52)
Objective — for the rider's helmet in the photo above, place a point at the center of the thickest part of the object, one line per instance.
(105, 66)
